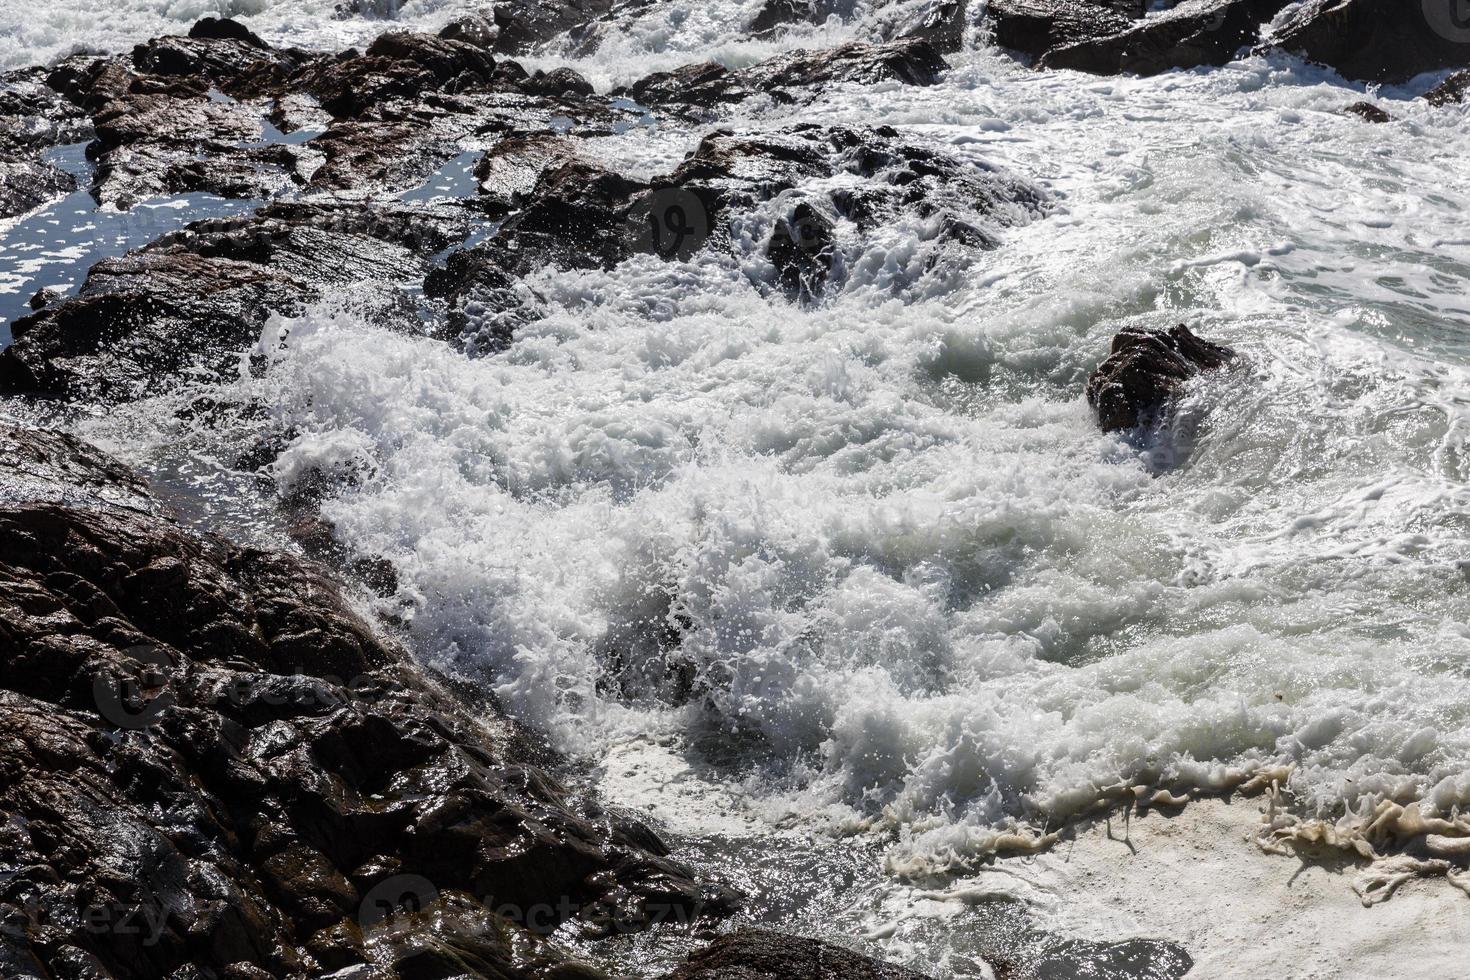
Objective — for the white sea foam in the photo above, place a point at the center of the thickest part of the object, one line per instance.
(922, 593)
(920, 587)
(38, 33)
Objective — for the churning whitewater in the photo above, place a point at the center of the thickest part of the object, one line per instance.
(866, 565)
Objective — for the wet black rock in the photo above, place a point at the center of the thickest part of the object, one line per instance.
(1034, 27)
(225, 29)
(193, 300)
(27, 184)
(911, 61)
(1380, 40)
(1368, 112)
(524, 24)
(1195, 33)
(476, 29)
(754, 954)
(235, 65)
(558, 82)
(35, 117)
(398, 64)
(802, 249)
(1450, 91)
(212, 767)
(1145, 373)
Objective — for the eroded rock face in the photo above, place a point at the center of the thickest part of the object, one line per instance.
(1145, 373)
(1450, 91)
(1195, 33)
(194, 299)
(1034, 27)
(27, 184)
(1380, 40)
(211, 767)
(911, 61)
(754, 954)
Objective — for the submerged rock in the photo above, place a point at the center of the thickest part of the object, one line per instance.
(1145, 373)
(212, 767)
(1379, 40)
(1368, 112)
(1195, 33)
(755, 954)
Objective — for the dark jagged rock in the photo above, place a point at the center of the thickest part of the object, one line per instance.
(938, 22)
(1195, 33)
(1369, 112)
(1450, 91)
(1145, 373)
(35, 117)
(476, 29)
(234, 65)
(755, 954)
(524, 24)
(194, 299)
(911, 61)
(802, 249)
(1379, 40)
(225, 29)
(212, 767)
(398, 64)
(558, 82)
(572, 213)
(1034, 27)
(27, 184)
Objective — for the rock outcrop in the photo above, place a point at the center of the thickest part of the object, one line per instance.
(211, 766)
(1145, 373)
(910, 61)
(193, 300)
(1195, 33)
(1034, 27)
(1380, 40)
(1450, 91)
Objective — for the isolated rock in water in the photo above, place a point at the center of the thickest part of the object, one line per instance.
(755, 954)
(211, 767)
(225, 29)
(1145, 373)
(1450, 91)
(911, 61)
(1368, 112)
(1380, 40)
(1195, 33)
(1034, 27)
(524, 24)
(476, 29)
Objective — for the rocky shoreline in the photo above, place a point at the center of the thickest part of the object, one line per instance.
(213, 765)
